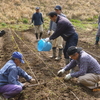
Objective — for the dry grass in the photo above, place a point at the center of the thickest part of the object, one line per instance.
(13, 10)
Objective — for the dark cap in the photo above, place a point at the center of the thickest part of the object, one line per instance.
(58, 7)
(72, 50)
(37, 8)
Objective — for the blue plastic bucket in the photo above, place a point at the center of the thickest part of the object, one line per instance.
(42, 45)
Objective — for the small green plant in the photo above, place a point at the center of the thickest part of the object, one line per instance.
(25, 20)
(3, 24)
(89, 19)
(96, 16)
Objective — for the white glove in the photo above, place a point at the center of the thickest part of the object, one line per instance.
(47, 39)
(48, 32)
(67, 77)
(60, 72)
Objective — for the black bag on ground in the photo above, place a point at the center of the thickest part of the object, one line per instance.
(2, 33)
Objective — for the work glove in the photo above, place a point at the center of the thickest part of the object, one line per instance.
(48, 32)
(67, 77)
(60, 72)
(47, 39)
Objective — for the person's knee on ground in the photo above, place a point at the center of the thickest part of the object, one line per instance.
(86, 82)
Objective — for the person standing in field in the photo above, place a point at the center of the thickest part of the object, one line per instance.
(66, 30)
(37, 20)
(98, 33)
(58, 42)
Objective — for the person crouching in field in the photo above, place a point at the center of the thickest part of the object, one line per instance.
(98, 32)
(9, 74)
(89, 68)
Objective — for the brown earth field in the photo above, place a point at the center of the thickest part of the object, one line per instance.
(38, 64)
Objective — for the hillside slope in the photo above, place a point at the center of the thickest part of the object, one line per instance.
(12, 11)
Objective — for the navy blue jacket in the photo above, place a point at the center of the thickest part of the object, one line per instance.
(37, 18)
(64, 28)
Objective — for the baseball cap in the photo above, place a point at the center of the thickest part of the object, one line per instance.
(58, 7)
(37, 8)
(72, 50)
(18, 55)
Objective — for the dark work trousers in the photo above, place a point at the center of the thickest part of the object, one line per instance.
(71, 41)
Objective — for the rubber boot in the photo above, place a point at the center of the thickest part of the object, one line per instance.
(67, 61)
(59, 55)
(40, 35)
(53, 52)
(96, 42)
(36, 34)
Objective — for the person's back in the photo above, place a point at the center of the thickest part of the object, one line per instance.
(64, 29)
(5, 74)
(86, 60)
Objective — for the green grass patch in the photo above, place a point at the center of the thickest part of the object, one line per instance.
(17, 27)
(24, 24)
(90, 19)
(3, 24)
(83, 25)
(24, 20)
(75, 20)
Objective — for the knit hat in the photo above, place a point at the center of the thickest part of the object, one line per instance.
(72, 50)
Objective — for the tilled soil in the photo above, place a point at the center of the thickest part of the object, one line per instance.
(43, 69)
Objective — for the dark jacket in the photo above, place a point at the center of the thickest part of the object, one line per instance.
(53, 25)
(64, 28)
(37, 18)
